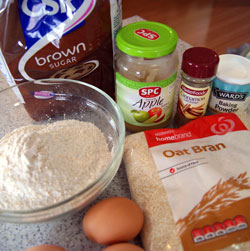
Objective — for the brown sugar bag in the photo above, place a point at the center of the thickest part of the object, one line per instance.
(192, 184)
(58, 39)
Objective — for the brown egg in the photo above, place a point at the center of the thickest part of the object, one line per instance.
(46, 247)
(113, 220)
(123, 247)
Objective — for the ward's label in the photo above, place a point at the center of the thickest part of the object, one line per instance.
(145, 104)
(229, 97)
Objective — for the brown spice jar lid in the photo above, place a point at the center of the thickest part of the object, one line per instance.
(200, 62)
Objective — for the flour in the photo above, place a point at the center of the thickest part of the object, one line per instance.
(45, 164)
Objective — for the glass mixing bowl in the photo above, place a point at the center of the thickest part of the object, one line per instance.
(48, 100)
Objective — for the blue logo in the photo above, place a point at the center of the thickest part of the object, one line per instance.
(51, 17)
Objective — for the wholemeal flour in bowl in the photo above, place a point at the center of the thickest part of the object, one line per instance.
(80, 146)
(45, 164)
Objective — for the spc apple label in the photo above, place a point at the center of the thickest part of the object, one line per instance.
(145, 104)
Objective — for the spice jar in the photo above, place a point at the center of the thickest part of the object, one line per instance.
(146, 70)
(199, 66)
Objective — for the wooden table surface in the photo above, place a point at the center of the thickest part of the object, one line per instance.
(216, 24)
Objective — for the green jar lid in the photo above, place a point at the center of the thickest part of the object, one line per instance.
(147, 39)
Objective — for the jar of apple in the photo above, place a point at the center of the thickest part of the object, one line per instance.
(146, 69)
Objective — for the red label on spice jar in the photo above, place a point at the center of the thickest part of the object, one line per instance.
(193, 92)
(150, 92)
(148, 34)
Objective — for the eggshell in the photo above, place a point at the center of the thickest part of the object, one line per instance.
(113, 220)
(46, 247)
(123, 247)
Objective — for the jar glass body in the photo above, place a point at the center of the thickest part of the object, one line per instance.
(197, 82)
(147, 73)
(146, 69)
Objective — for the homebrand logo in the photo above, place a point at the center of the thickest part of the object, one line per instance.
(223, 126)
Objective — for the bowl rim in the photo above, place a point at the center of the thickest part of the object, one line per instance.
(120, 146)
